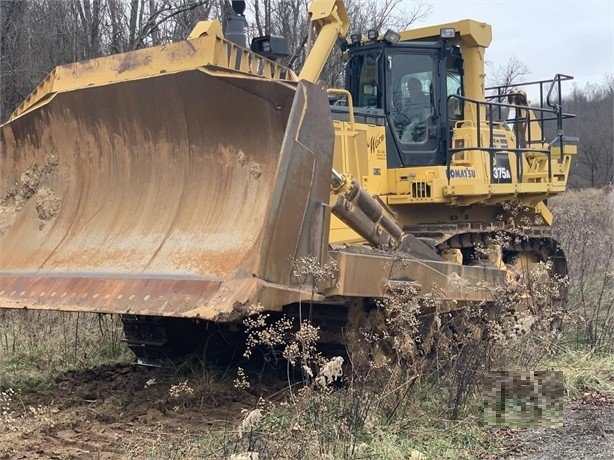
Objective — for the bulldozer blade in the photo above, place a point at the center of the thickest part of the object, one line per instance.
(184, 194)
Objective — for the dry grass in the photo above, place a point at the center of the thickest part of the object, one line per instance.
(36, 346)
(584, 225)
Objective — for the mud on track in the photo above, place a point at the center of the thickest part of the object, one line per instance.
(110, 412)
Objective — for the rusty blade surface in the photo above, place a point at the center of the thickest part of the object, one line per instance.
(157, 296)
(149, 196)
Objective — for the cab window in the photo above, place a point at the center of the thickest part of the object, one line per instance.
(411, 96)
(362, 82)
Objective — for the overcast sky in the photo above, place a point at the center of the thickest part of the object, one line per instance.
(562, 36)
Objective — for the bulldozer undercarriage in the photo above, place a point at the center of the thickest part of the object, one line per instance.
(511, 249)
(363, 330)
(158, 341)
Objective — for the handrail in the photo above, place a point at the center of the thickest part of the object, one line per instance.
(350, 105)
(350, 102)
(562, 77)
(545, 114)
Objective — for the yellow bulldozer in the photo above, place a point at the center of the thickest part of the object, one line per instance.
(190, 185)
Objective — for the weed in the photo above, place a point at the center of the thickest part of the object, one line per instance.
(584, 225)
(36, 346)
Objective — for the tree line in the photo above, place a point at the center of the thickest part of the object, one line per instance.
(594, 125)
(38, 35)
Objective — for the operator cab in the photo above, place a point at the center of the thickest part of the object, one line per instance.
(405, 86)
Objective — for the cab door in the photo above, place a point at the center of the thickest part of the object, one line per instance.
(412, 106)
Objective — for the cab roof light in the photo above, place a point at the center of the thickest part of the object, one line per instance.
(355, 38)
(270, 46)
(372, 35)
(447, 32)
(392, 37)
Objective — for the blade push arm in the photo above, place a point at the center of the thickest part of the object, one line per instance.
(331, 22)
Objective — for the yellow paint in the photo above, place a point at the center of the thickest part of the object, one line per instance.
(204, 28)
(331, 22)
(473, 37)
(207, 51)
(425, 195)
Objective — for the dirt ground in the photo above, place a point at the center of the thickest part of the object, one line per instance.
(127, 412)
(587, 433)
(113, 412)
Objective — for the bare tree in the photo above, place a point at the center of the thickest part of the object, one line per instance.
(594, 107)
(37, 35)
(386, 14)
(511, 72)
(157, 18)
(381, 15)
(89, 14)
(12, 18)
